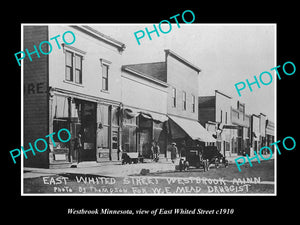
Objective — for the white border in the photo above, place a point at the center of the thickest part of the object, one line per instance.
(133, 195)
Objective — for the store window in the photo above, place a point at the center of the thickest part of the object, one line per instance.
(129, 132)
(115, 127)
(104, 126)
(60, 112)
(157, 129)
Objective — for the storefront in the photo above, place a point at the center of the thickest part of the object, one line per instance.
(140, 129)
(185, 132)
(108, 132)
(94, 128)
(226, 137)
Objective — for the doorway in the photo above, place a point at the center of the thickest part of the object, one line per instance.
(83, 122)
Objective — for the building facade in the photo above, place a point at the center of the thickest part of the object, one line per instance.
(169, 107)
(215, 115)
(144, 100)
(108, 107)
(79, 89)
(241, 140)
(270, 133)
(255, 133)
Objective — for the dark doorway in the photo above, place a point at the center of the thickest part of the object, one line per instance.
(83, 121)
(88, 129)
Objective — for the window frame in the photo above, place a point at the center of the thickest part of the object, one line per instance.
(105, 69)
(174, 97)
(184, 100)
(76, 69)
(74, 52)
(105, 64)
(70, 67)
(221, 116)
(193, 103)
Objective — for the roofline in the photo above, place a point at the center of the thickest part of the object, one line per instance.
(169, 52)
(206, 96)
(97, 34)
(143, 75)
(216, 91)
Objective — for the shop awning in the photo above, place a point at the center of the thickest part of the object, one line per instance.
(226, 126)
(130, 113)
(193, 129)
(159, 117)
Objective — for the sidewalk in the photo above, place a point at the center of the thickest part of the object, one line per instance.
(112, 169)
(103, 169)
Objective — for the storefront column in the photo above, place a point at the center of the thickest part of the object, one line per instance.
(50, 122)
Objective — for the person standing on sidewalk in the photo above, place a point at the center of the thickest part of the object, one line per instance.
(174, 152)
(155, 151)
(78, 146)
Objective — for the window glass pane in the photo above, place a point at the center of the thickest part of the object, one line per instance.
(57, 125)
(174, 97)
(115, 118)
(78, 76)
(115, 139)
(131, 121)
(69, 58)
(105, 71)
(104, 84)
(102, 136)
(78, 62)
(104, 110)
(60, 107)
(69, 73)
(184, 100)
(129, 139)
(193, 103)
(60, 112)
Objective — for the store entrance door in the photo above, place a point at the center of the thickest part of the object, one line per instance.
(88, 127)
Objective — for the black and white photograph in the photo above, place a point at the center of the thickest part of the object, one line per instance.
(131, 113)
(129, 109)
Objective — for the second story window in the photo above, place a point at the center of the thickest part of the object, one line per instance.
(173, 97)
(221, 115)
(105, 64)
(73, 65)
(78, 69)
(184, 100)
(69, 66)
(193, 103)
(105, 77)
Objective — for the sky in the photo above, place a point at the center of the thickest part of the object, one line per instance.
(225, 53)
